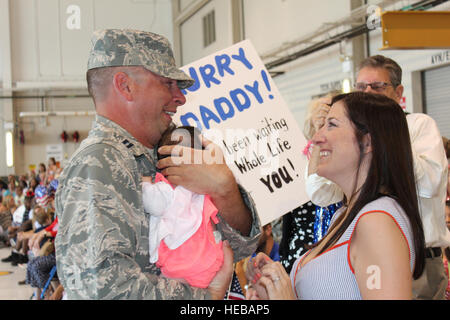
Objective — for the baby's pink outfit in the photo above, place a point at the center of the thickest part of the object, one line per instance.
(182, 240)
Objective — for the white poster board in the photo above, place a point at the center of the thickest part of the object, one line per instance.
(236, 104)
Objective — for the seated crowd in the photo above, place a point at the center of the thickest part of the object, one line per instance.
(28, 225)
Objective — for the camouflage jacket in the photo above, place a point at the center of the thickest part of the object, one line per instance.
(102, 245)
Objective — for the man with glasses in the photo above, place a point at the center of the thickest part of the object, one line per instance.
(382, 75)
(375, 86)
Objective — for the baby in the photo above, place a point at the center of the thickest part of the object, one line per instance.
(182, 238)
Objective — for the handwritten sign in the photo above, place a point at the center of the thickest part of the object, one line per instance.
(236, 104)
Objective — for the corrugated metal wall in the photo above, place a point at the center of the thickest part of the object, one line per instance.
(308, 78)
(436, 84)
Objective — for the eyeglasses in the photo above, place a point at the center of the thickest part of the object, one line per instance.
(376, 86)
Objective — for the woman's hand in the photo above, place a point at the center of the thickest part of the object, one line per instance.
(259, 291)
(256, 292)
(254, 266)
(267, 279)
(251, 294)
(276, 282)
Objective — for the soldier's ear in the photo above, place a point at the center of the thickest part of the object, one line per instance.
(123, 84)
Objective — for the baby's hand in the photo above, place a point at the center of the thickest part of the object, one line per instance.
(147, 179)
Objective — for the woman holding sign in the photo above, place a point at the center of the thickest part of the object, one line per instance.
(375, 244)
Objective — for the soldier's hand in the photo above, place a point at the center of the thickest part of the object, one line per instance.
(206, 172)
(220, 283)
(200, 171)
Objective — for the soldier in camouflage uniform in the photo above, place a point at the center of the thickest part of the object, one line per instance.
(102, 246)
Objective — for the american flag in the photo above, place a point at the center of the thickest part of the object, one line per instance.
(235, 291)
(42, 201)
(42, 198)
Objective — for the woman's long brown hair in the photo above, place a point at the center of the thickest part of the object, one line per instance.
(391, 171)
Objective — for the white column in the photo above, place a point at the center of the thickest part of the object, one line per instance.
(6, 113)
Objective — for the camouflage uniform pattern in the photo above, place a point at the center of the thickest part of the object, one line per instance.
(102, 245)
(113, 47)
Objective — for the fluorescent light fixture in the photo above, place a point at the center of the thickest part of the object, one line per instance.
(9, 149)
(346, 88)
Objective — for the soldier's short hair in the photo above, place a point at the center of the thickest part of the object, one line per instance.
(98, 79)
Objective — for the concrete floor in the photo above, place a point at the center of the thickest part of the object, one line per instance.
(9, 277)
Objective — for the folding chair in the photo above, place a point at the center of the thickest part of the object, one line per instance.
(52, 274)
